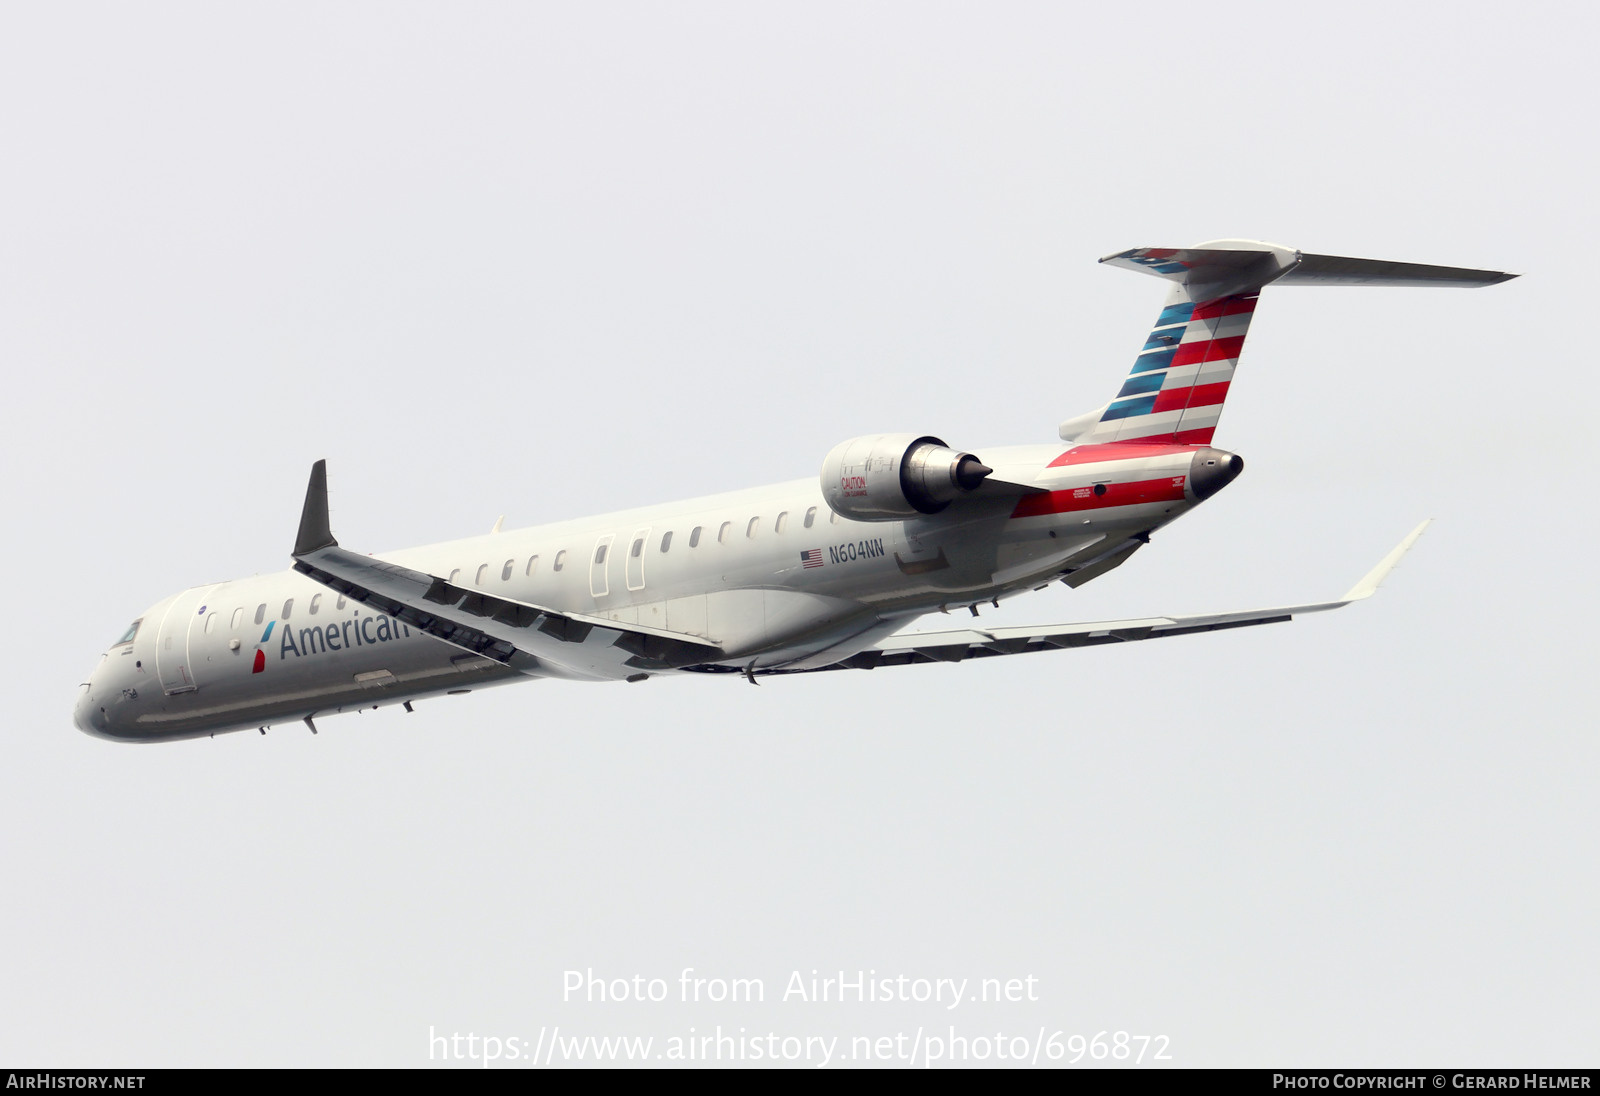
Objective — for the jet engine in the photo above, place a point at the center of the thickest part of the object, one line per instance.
(887, 477)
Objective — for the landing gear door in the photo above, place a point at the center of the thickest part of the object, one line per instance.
(183, 618)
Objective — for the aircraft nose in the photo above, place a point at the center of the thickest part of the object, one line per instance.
(98, 707)
(84, 709)
(1213, 469)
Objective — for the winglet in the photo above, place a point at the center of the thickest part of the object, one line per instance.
(314, 531)
(1374, 578)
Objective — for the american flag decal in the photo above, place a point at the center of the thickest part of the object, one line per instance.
(812, 557)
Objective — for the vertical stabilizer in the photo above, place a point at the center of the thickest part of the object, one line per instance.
(1180, 379)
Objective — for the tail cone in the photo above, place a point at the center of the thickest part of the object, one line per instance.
(1213, 469)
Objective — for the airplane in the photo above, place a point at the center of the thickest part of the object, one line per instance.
(813, 575)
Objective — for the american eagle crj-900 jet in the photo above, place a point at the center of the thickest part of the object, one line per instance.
(817, 574)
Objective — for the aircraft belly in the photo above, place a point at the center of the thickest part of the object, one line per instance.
(1027, 557)
(687, 615)
(751, 622)
(653, 614)
(236, 698)
(218, 713)
(832, 645)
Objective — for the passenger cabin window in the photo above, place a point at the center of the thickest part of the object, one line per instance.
(833, 518)
(666, 541)
(638, 546)
(561, 559)
(533, 561)
(750, 530)
(694, 537)
(782, 522)
(288, 607)
(238, 618)
(600, 555)
(316, 603)
(340, 603)
(722, 534)
(261, 612)
(505, 572)
(811, 516)
(483, 569)
(211, 623)
(453, 575)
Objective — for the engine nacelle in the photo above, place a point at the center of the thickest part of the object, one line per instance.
(887, 477)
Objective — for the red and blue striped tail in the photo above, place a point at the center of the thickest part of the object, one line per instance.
(1180, 379)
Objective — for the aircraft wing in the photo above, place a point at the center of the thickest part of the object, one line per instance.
(957, 646)
(530, 638)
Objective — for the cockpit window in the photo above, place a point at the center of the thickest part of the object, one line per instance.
(133, 630)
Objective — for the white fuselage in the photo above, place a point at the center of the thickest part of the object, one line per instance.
(771, 575)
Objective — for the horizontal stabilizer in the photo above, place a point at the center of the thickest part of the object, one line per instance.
(1339, 270)
(1225, 267)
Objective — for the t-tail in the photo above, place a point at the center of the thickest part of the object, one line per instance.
(1180, 380)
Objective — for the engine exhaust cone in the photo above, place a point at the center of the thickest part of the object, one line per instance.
(971, 472)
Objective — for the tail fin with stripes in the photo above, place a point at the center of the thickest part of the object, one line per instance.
(1180, 379)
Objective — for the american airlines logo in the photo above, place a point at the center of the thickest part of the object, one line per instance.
(261, 656)
(356, 632)
(317, 640)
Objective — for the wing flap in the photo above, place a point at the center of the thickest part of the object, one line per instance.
(958, 645)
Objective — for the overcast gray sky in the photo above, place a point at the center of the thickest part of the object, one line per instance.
(548, 261)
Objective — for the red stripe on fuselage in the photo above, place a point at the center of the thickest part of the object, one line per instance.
(1186, 438)
(1118, 450)
(1164, 489)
